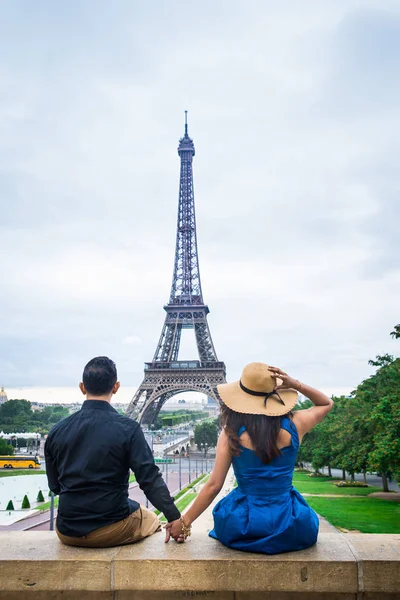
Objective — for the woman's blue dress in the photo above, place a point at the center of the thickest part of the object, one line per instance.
(265, 513)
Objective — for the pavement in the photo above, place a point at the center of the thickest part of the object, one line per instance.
(391, 496)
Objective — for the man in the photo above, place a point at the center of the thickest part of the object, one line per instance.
(88, 457)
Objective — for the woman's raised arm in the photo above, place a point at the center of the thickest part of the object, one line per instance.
(305, 419)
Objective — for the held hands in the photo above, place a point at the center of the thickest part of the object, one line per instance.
(178, 530)
(174, 530)
(287, 381)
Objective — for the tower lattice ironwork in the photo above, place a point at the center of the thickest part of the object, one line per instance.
(166, 375)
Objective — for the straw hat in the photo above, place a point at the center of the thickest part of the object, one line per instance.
(255, 393)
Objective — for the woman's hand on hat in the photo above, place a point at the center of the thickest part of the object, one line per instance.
(287, 381)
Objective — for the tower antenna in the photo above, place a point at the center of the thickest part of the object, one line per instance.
(186, 125)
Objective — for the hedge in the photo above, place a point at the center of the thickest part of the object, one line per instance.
(25, 502)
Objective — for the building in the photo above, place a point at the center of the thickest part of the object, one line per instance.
(72, 406)
(173, 405)
(3, 395)
(212, 408)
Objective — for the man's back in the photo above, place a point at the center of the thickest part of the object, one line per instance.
(88, 457)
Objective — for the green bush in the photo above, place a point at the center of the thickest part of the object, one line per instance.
(357, 484)
(25, 502)
(40, 497)
(10, 505)
(5, 448)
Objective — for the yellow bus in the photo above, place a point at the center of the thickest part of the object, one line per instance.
(19, 462)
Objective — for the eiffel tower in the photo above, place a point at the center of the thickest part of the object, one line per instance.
(166, 376)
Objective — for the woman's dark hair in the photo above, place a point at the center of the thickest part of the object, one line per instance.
(263, 432)
(99, 376)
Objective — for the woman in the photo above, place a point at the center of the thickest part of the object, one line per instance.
(260, 436)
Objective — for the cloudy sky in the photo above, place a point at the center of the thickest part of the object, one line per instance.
(295, 114)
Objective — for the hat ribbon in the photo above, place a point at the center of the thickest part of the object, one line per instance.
(265, 394)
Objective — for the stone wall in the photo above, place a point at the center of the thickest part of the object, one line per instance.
(35, 566)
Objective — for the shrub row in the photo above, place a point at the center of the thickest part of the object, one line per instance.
(25, 501)
(176, 419)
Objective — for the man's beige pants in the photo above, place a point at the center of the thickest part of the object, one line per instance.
(138, 525)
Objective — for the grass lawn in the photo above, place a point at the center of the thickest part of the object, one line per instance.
(199, 478)
(183, 491)
(132, 478)
(305, 477)
(182, 504)
(326, 485)
(15, 472)
(46, 505)
(367, 515)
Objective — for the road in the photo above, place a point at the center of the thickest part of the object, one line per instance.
(371, 479)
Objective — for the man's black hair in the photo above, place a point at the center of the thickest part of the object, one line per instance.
(99, 376)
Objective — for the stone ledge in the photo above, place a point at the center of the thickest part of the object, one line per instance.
(206, 565)
(36, 565)
(378, 557)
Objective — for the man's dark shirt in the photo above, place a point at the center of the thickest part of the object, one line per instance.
(88, 457)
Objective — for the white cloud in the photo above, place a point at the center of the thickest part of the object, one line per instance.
(132, 340)
(296, 184)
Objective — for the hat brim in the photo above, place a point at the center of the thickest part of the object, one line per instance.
(240, 401)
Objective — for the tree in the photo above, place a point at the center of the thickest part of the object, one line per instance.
(385, 456)
(206, 436)
(382, 394)
(321, 447)
(350, 435)
(17, 415)
(10, 505)
(25, 502)
(40, 497)
(157, 423)
(304, 454)
(316, 446)
(396, 332)
(381, 361)
(362, 432)
(5, 448)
